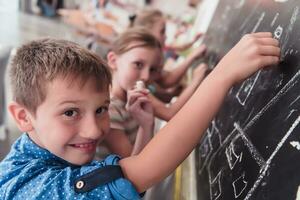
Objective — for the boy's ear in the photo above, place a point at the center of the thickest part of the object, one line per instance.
(21, 116)
(111, 60)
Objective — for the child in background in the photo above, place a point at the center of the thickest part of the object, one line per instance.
(137, 56)
(155, 22)
(61, 99)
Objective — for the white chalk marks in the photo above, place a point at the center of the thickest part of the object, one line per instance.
(232, 156)
(246, 89)
(209, 144)
(295, 144)
(239, 4)
(278, 32)
(269, 161)
(215, 187)
(289, 30)
(238, 150)
(274, 19)
(239, 185)
(260, 19)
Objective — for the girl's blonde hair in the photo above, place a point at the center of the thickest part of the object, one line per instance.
(133, 38)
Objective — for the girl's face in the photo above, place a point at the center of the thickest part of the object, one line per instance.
(140, 63)
(159, 30)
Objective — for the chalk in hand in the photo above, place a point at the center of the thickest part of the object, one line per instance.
(139, 85)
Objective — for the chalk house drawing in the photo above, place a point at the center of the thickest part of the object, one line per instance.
(246, 89)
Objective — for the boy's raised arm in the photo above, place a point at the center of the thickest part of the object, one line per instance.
(177, 139)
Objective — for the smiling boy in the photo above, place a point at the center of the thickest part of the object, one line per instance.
(61, 96)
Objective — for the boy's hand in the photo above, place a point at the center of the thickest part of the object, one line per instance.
(251, 53)
(140, 107)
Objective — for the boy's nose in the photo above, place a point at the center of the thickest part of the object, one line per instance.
(92, 129)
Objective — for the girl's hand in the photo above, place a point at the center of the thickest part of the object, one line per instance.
(140, 107)
(199, 72)
(198, 52)
(198, 36)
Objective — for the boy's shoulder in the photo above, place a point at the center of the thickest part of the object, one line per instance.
(34, 171)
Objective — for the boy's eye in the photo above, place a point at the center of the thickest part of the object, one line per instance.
(70, 113)
(101, 110)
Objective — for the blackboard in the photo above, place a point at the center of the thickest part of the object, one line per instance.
(252, 148)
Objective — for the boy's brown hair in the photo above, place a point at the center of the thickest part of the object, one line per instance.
(147, 18)
(133, 38)
(40, 62)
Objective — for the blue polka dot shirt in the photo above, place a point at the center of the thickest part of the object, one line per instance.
(31, 172)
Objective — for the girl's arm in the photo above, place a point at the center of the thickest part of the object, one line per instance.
(166, 113)
(177, 139)
(185, 46)
(172, 77)
(118, 142)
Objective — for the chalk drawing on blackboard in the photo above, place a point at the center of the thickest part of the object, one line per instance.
(239, 4)
(249, 17)
(274, 19)
(232, 156)
(295, 144)
(269, 161)
(215, 187)
(281, 93)
(246, 89)
(250, 114)
(298, 97)
(211, 142)
(278, 32)
(215, 136)
(205, 150)
(290, 28)
(260, 19)
(239, 185)
(290, 114)
(238, 132)
(253, 151)
(237, 138)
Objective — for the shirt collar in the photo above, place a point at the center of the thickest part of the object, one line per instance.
(31, 150)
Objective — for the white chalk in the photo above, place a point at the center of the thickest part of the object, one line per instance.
(139, 85)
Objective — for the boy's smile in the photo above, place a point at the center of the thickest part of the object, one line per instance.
(72, 120)
(85, 146)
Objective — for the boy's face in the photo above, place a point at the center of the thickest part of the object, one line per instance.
(139, 63)
(72, 120)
